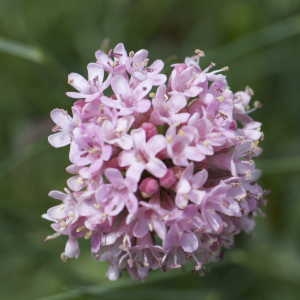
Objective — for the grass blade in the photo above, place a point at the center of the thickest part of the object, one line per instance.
(21, 50)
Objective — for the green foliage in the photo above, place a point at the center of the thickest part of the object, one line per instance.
(41, 41)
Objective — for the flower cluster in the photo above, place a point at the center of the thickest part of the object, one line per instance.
(162, 169)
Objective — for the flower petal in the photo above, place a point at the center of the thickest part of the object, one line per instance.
(59, 139)
(189, 242)
(127, 158)
(140, 228)
(78, 82)
(135, 171)
(199, 179)
(120, 86)
(142, 89)
(156, 144)
(114, 176)
(60, 117)
(139, 138)
(156, 167)
(95, 72)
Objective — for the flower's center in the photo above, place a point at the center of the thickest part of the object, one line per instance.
(142, 156)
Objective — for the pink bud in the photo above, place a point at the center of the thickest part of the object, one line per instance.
(169, 179)
(150, 129)
(148, 187)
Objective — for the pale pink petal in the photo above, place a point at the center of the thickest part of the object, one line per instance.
(121, 51)
(120, 86)
(180, 118)
(140, 228)
(95, 72)
(156, 167)
(71, 248)
(75, 95)
(78, 82)
(172, 238)
(125, 142)
(156, 144)
(197, 196)
(76, 183)
(114, 176)
(142, 106)
(55, 213)
(115, 206)
(113, 272)
(157, 79)
(127, 158)
(177, 102)
(189, 242)
(103, 192)
(139, 57)
(194, 153)
(60, 117)
(156, 66)
(159, 227)
(132, 207)
(199, 179)
(183, 186)
(135, 171)
(58, 195)
(103, 59)
(139, 138)
(142, 89)
(59, 139)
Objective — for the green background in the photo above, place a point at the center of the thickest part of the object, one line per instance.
(41, 41)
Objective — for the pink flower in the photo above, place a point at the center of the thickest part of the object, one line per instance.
(64, 126)
(115, 131)
(150, 218)
(129, 100)
(178, 147)
(116, 195)
(189, 187)
(157, 180)
(167, 110)
(203, 135)
(115, 61)
(88, 148)
(91, 88)
(187, 80)
(143, 155)
(142, 72)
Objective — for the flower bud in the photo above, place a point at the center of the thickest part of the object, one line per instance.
(169, 179)
(148, 187)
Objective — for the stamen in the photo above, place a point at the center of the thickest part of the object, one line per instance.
(52, 236)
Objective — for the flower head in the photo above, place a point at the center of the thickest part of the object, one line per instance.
(162, 169)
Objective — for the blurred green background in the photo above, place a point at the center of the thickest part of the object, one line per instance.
(42, 41)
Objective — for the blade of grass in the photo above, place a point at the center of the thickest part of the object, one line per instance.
(256, 40)
(21, 50)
